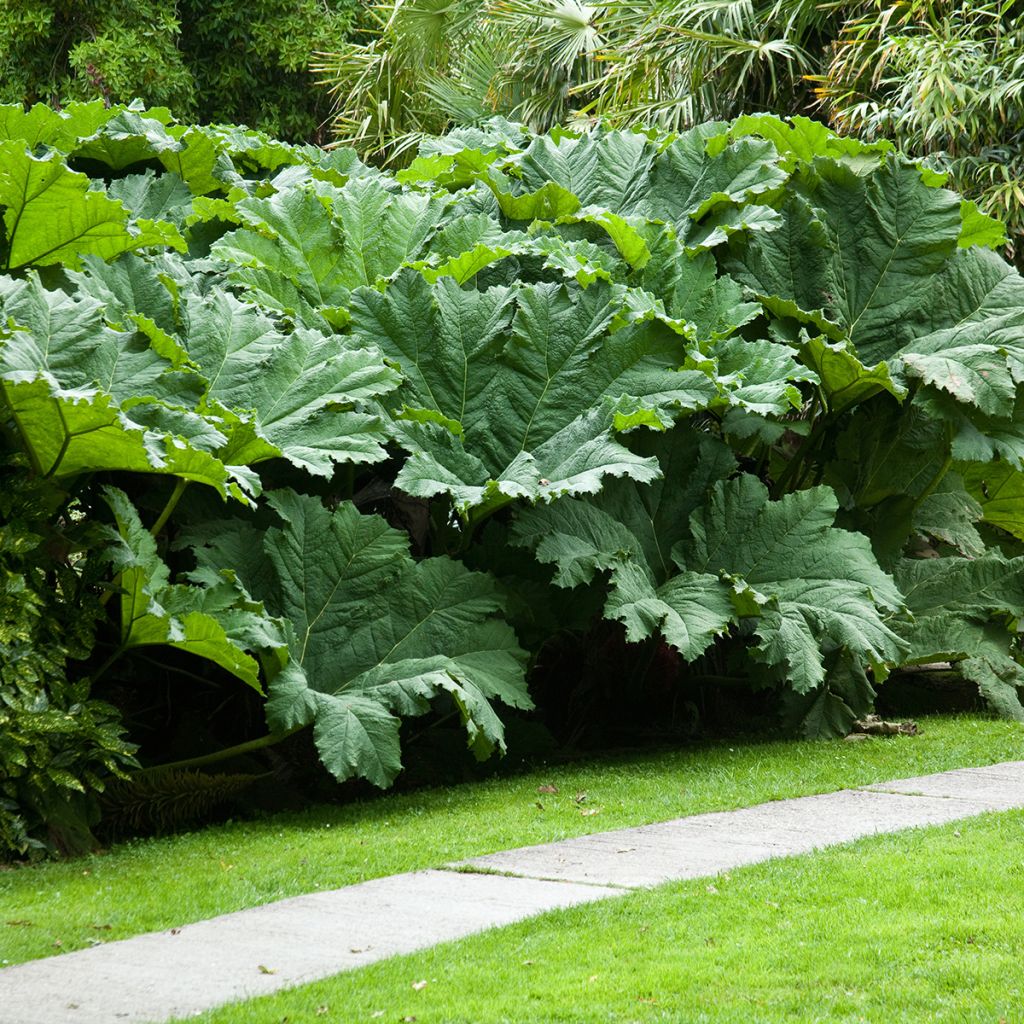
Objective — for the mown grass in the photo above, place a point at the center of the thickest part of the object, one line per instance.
(160, 883)
(920, 926)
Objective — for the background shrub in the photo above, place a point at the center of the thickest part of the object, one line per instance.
(241, 61)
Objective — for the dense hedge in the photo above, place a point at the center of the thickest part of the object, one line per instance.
(741, 406)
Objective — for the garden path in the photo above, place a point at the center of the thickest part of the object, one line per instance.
(186, 970)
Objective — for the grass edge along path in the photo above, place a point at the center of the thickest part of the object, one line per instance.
(155, 884)
(915, 926)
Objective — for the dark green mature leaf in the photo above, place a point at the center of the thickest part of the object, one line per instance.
(950, 514)
(962, 610)
(691, 290)
(513, 392)
(607, 170)
(813, 587)
(629, 531)
(374, 634)
(692, 179)
(300, 388)
(860, 251)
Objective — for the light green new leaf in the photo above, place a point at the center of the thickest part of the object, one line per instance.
(87, 398)
(802, 139)
(999, 490)
(155, 612)
(845, 381)
(51, 215)
(979, 228)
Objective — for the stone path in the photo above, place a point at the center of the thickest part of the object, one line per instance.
(162, 975)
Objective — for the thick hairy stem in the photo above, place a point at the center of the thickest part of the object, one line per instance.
(270, 740)
(33, 459)
(65, 444)
(798, 466)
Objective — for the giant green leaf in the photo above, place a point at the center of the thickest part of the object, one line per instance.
(86, 397)
(318, 242)
(629, 531)
(300, 388)
(809, 588)
(963, 610)
(375, 635)
(813, 587)
(512, 393)
(52, 215)
(999, 490)
(690, 181)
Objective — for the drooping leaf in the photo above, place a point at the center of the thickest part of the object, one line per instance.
(813, 587)
(74, 387)
(156, 612)
(375, 635)
(531, 376)
(963, 610)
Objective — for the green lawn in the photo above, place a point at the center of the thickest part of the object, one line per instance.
(155, 884)
(925, 925)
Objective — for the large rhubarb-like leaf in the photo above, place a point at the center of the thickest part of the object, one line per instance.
(375, 635)
(963, 610)
(86, 397)
(813, 587)
(316, 243)
(52, 215)
(300, 388)
(512, 392)
(809, 588)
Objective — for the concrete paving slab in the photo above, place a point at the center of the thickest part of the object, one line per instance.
(999, 787)
(254, 952)
(707, 844)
